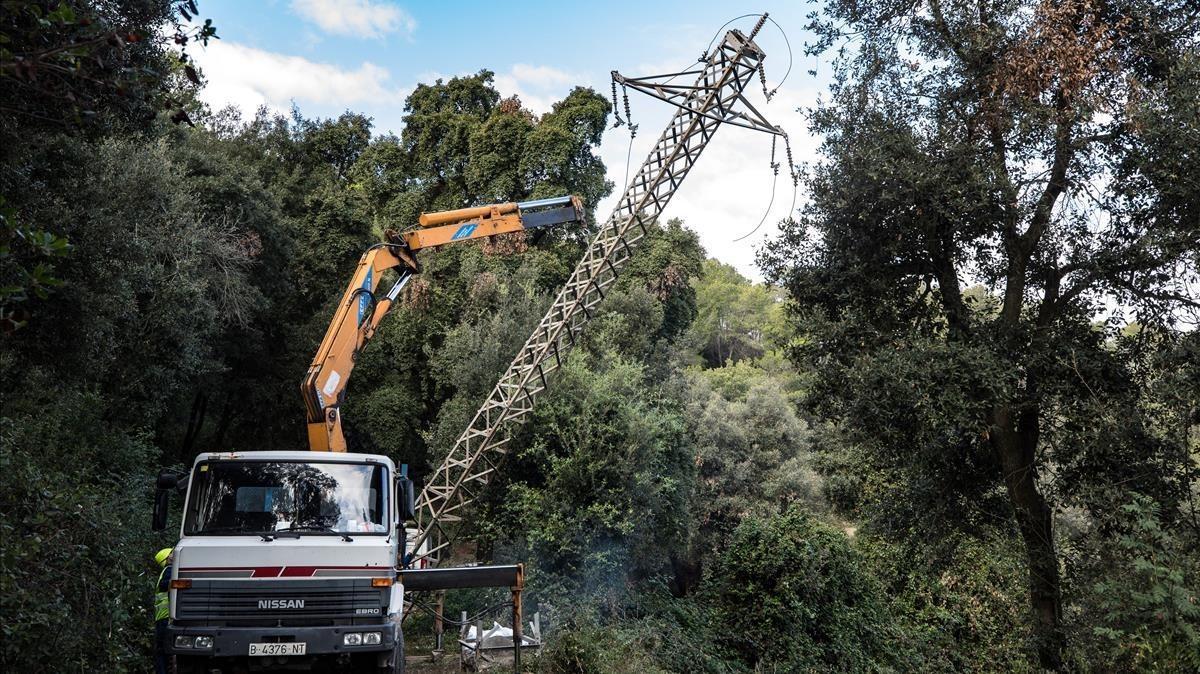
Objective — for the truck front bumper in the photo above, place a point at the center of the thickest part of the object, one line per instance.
(235, 641)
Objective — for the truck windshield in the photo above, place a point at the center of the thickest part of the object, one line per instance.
(256, 497)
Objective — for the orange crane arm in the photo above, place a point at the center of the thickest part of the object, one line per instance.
(360, 311)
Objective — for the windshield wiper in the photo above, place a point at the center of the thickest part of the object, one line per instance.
(227, 529)
(269, 536)
(324, 528)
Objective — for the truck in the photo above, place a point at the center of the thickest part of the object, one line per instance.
(293, 559)
(289, 559)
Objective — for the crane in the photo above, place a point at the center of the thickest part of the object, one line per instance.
(703, 106)
(360, 311)
(251, 555)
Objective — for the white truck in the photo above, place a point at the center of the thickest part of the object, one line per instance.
(287, 560)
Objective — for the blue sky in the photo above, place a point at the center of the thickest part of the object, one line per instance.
(328, 56)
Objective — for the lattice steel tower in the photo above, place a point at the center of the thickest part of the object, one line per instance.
(721, 78)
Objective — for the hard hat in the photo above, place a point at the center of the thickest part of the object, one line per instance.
(162, 555)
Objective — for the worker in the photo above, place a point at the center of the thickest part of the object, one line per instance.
(162, 610)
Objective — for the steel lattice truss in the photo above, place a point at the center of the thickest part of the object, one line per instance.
(479, 451)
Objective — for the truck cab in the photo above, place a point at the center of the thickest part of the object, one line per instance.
(288, 560)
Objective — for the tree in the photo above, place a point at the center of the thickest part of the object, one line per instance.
(750, 453)
(597, 499)
(736, 319)
(1043, 149)
(102, 67)
(139, 319)
(465, 146)
(80, 68)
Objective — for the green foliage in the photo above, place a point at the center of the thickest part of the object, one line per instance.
(76, 67)
(558, 156)
(736, 319)
(1146, 599)
(668, 262)
(593, 649)
(959, 603)
(73, 64)
(751, 453)
(795, 596)
(658, 633)
(26, 266)
(76, 573)
(914, 420)
(461, 145)
(600, 485)
(963, 144)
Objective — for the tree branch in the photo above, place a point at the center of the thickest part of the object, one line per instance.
(1024, 246)
(1057, 182)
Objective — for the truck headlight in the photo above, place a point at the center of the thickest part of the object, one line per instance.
(372, 638)
(352, 639)
(204, 642)
(185, 642)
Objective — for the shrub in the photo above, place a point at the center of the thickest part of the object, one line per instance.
(796, 596)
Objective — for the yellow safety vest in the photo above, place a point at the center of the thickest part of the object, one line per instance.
(162, 600)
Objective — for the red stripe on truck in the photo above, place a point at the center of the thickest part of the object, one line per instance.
(298, 571)
(276, 571)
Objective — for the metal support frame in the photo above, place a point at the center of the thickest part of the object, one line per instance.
(439, 580)
(479, 451)
(474, 652)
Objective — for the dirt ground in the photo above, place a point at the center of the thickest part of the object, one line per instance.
(421, 664)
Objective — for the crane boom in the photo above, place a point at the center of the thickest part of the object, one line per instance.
(478, 452)
(360, 311)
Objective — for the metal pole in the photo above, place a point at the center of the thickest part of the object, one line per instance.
(478, 641)
(476, 457)
(438, 627)
(463, 629)
(516, 601)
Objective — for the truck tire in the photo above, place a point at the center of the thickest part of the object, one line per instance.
(397, 660)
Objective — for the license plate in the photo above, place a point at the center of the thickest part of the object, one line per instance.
(286, 648)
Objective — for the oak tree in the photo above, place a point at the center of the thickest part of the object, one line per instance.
(1045, 151)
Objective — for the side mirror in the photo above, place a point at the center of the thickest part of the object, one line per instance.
(166, 483)
(162, 501)
(407, 495)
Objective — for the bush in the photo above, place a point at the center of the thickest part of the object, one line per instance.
(960, 603)
(598, 495)
(1144, 606)
(659, 634)
(76, 576)
(796, 596)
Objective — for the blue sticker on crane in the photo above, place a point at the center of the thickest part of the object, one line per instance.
(364, 299)
(464, 231)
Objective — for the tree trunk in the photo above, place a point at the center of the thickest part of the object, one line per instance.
(195, 423)
(1015, 438)
(687, 571)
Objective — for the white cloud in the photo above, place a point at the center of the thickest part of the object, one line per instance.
(247, 78)
(538, 87)
(356, 18)
(543, 76)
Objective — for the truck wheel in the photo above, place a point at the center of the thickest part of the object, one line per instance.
(397, 659)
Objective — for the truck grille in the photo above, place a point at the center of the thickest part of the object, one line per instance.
(290, 603)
